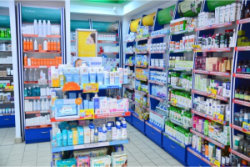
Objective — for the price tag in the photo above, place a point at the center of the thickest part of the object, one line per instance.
(90, 88)
(87, 114)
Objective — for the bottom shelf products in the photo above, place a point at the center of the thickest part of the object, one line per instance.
(107, 156)
(83, 132)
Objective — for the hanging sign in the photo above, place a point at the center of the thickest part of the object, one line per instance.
(86, 43)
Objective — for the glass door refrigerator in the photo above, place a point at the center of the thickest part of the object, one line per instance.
(41, 44)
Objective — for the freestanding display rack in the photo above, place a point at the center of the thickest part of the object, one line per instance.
(41, 44)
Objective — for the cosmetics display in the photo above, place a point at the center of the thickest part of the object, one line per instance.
(158, 47)
(38, 121)
(159, 115)
(41, 106)
(157, 62)
(213, 108)
(213, 86)
(179, 134)
(219, 40)
(243, 67)
(210, 151)
(213, 64)
(180, 62)
(45, 46)
(158, 76)
(180, 98)
(242, 118)
(222, 14)
(182, 24)
(141, 60)
(181, 80)
(186, 44)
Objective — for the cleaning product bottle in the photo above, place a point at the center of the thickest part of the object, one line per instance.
(104, 132)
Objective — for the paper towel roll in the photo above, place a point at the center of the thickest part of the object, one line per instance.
(148, 20)
(134, 25)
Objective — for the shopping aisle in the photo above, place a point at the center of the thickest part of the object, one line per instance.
(141, 151)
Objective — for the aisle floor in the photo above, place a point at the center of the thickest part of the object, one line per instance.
(141, 151)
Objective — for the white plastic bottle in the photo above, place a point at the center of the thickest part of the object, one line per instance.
(114, 133)
(35, 45)
(45, 45)
(35, 27)
(96, 135)
(40, 29)
(34, 106)
(124, 130)
(48, 28)
(118, 130)
(104, 132)
(31, 76)
(109, 132)
(35, 75)
(25, 78)
(44, 29)
(38, 103)
(100, 139)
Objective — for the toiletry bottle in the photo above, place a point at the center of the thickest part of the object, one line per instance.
(35, 27)
(124, 130)
(45, 45)
(104, 131)
(96, 135)
(35, 45)
(44, 29)
(92, 131)
(58, 46)
(100, 134)
(48, 28)
(109, 132)
(25, 44)
(31, 45)
(40, 28)
(118, 129)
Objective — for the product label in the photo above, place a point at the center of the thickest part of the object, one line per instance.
(90, 87)
(87, 114)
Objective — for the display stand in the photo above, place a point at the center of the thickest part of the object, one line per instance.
(41, 45)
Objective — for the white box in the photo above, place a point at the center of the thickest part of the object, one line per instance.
(222, 14)
(233, 10)
(227, 13)
(238, 12)
(217, 15)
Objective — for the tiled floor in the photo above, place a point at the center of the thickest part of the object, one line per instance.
(141, 151)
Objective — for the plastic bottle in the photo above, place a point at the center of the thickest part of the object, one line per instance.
(35, 45)
(34, 105)
(58, 46)
(118, 130)
(35, 27)
(25, 77)
(100, 134)
(31, 75)
(25, 92)
(61, 77)
(92, 132)
(25, 44)
(44, 29)
(38, 103)
(48, 28)
(45, 45)
(96, 135)
(31, 45)
(29, 91)
(40, 33)
(104, 133)
(35, 75)
(124, 133)
(109, 133)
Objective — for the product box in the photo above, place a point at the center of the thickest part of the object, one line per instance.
(227, 13)
(65, 108)
(217, 15)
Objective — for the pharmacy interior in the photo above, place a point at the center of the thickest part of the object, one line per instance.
(177, 71)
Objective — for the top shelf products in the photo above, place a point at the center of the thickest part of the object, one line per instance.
(41, 28)
(183, 24)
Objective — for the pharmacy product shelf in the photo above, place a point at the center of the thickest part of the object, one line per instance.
(156, 82)
(157, 52)
(181, 51)
(7, 114)
(141, 53)
(243, 21)
(108, 42)
(5, 39)
(214, 26)
(156, 98)
(97, 116)
(45, 52)
(131, 65)
(37, 112)
(140, 105)
(182, 32)
(178, 123)
(38, 126)
(208, 117)
(157, 68)
(179, 88)
(200, 156)
(214, 50)
(181, 69)
(141, 79)
(218, 97)
(244, 76)
(155, 113)
(157, 36)
(90, 145)
(141, 39)
(214, 73)
(152, 126)
(36, 97)
(179, 105)
(9, 102)
(137, 66)
(242, 48)
(36, 36)
(239, 154)
(240, 129)
(208, 138)
(241, 102)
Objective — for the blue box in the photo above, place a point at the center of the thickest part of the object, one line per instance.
(7, 121)
(174, 149)
(37, 135)
(153, 133)
(138, 123)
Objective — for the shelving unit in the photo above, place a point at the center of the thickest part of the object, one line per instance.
(35, 62)
(7, 112)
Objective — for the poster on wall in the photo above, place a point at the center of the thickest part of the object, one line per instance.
(86, 43)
